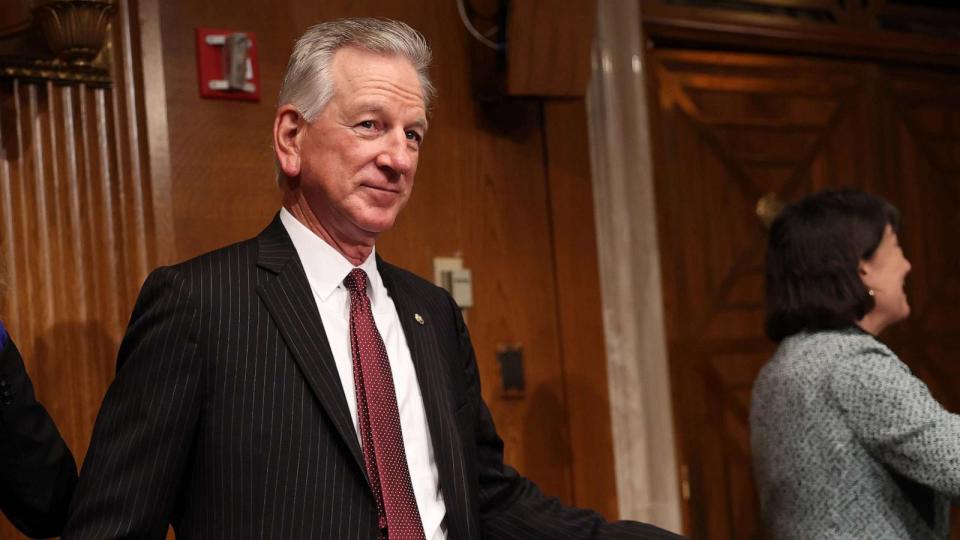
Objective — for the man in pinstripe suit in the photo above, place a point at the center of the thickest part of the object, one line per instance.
(234, 413)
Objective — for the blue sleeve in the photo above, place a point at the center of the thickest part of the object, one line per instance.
(3, 336)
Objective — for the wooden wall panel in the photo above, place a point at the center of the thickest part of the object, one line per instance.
(580, 309)
(77, 232)
(548, 47)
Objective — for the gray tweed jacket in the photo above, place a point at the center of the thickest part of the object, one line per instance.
(847, 443)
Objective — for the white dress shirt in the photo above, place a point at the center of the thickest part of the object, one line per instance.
(326, 269)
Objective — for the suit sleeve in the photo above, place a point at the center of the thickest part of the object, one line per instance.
(897, 420)
(146, 426)
(513, 507)
(37, 470)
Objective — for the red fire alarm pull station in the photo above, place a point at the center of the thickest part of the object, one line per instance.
(227, 64)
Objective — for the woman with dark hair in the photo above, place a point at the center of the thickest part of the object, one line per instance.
(846, 442)
(37, 470)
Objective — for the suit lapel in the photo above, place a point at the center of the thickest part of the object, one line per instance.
(290, 302)
(431, 369)
(426, 365)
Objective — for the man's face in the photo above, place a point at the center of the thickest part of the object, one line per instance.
(359, 156)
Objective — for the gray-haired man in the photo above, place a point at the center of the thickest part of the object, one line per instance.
(297, 386)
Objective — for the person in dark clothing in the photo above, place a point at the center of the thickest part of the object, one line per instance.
(37, 470)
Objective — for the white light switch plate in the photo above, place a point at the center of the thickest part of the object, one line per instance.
(445, 264)
(449, 273)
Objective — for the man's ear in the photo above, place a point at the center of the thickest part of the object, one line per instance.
(288, 127)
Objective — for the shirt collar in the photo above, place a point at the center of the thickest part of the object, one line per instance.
(326, 267)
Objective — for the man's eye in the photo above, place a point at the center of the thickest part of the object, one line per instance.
(414, 136)
(366, 124)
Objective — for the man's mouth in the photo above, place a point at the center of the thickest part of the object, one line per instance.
(381, 187)
(381, 195)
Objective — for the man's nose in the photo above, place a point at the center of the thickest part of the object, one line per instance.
(396, 153)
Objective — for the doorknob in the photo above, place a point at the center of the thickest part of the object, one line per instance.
(769, 207)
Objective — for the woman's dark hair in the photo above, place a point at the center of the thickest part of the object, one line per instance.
(813, 257)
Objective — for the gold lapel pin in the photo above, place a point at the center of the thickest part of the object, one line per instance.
(418, 318)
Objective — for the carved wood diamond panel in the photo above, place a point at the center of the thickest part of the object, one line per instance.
(735, 128)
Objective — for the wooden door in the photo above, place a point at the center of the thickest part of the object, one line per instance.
(920, 114)
(731, 129)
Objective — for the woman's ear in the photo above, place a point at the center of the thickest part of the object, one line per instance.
(288, 126)
(865, 270)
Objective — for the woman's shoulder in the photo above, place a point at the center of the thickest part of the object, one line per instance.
(860, 359)
(826, 352)
(835, 344)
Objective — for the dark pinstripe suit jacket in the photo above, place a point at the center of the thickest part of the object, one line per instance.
(227, 418)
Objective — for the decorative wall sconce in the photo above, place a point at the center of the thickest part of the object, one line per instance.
(56, 40)
(75, 29)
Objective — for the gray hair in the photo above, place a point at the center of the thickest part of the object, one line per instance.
(308, 85)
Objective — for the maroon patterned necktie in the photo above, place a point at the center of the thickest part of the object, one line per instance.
(380, 434)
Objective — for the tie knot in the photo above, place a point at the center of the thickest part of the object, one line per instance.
(356, 281)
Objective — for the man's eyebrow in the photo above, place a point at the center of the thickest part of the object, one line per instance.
(369, 108)
(421, 123)
(376, 108)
